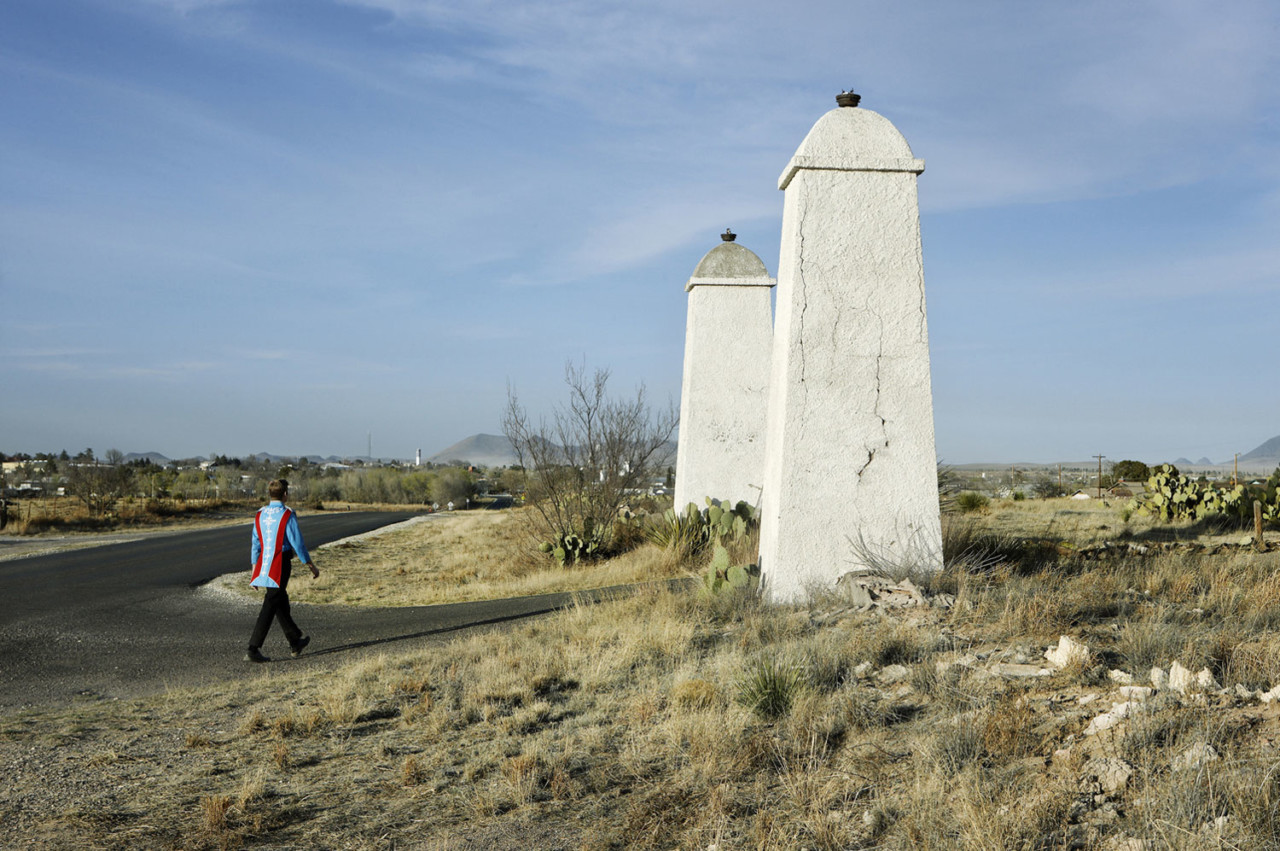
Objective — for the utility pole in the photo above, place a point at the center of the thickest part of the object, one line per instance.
(1059, 478)
(1235, 470)
(1099, 457)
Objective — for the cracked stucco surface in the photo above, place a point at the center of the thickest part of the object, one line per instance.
(850, 445)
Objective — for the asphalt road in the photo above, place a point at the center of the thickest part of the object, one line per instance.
(131, 618)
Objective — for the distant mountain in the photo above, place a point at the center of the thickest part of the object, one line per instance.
(482, 450)
(311, 459)
(1204, 462)
(1184, 462)
(267, 456)
(154, 457)
(1268, 451)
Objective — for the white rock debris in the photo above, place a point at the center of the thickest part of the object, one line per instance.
(1068, 652)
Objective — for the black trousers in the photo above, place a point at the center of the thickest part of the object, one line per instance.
(276, 605)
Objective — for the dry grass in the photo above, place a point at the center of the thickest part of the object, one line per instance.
(60, 515)
(624, 725)
(476, 555)
(1083, 523)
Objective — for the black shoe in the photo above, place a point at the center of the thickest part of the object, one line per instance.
(255, 655)
(296, 650)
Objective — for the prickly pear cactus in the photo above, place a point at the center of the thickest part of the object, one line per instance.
(570, 549)
(1176, 497)
(723, 576)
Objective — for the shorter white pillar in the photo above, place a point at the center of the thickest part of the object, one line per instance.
(724, 395)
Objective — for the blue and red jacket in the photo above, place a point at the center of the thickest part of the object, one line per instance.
(275, 535)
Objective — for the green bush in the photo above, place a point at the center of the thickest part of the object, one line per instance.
(971, 501)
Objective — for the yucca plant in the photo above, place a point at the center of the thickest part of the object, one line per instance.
(770, 688)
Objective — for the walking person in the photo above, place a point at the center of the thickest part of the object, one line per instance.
(276, 540)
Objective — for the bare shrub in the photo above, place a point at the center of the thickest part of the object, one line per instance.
(99, 485)
(594, 455)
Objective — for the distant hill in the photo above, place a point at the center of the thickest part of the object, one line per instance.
(154, 457)
(1269, 450)
(482, 450)
(311, 459)
(1263, 458)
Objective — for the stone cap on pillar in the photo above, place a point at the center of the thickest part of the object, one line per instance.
(852, 139)
(730, 265)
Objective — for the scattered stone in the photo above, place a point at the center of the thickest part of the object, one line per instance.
(1105, 814)
(1138, 693)
(1113, 716)
(1078, 811)
(942, 666)
(1068, 652)
(893, 674)
(1124, 678)
(857, 595)
(866, 591)
(1195, 757)
(1086, 699)
(862, 669)
(1020, 655)
(1159, 679)
(1180, 678)
(1269, 696)
(1109, 774)
(1016, 671)
(1245, 693)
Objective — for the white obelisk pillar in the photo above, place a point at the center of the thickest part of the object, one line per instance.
(723, 398)
(850, 470)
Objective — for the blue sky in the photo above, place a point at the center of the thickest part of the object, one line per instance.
(283, 226)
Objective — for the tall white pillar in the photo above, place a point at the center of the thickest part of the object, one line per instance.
(724, 394)
(850, 470)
